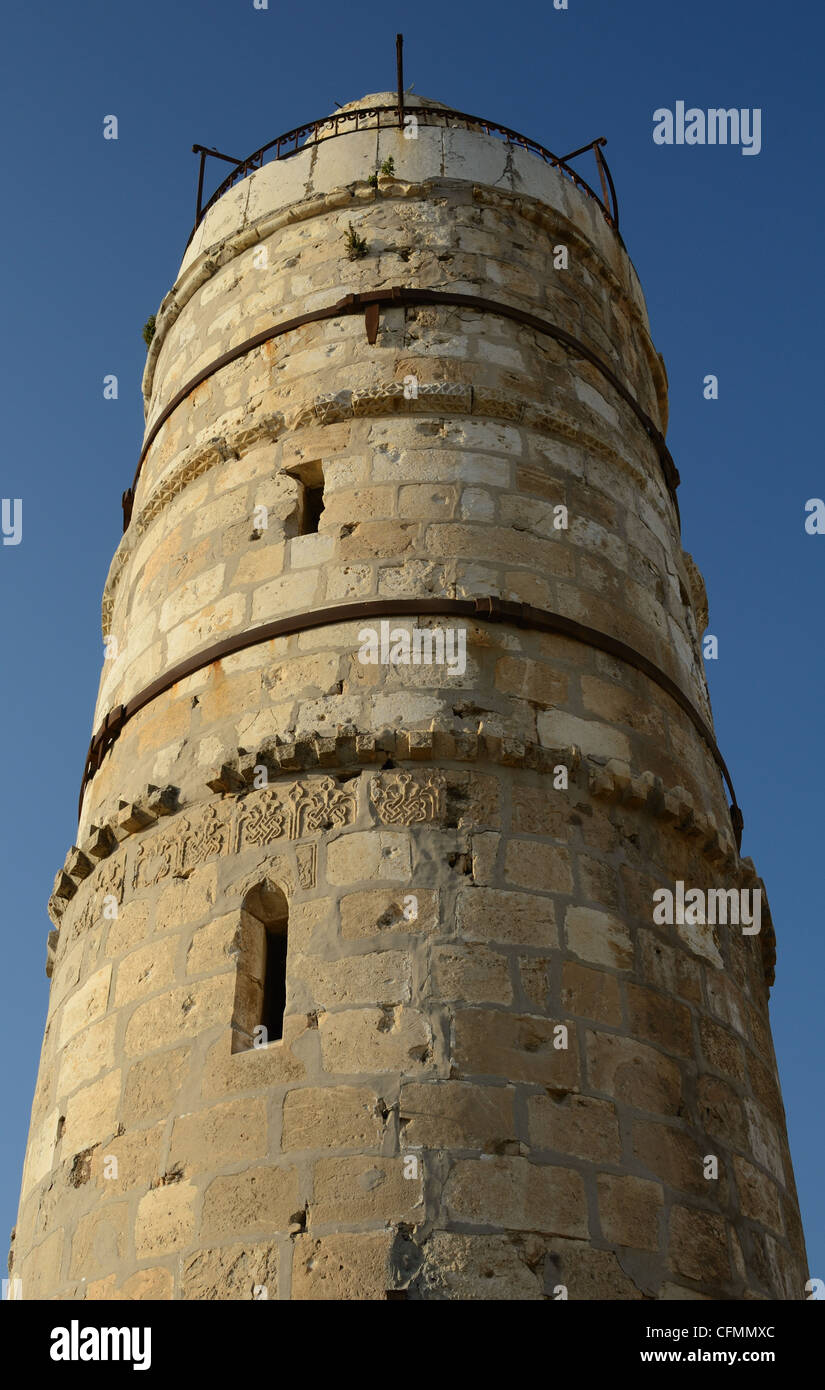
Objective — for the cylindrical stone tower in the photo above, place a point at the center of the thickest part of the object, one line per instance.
(358, 988)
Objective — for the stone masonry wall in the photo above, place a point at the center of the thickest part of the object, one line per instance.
(498, 1078)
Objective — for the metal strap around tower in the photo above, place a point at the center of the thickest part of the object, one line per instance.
(489, 610)
(369, 303)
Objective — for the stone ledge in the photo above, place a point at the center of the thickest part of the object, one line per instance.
(613, 782)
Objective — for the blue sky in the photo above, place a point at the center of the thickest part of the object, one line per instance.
(728, 249)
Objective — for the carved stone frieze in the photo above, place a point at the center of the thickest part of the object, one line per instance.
(408, 798)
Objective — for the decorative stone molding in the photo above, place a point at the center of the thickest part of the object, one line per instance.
(407, 798)
(303, 810)
(399, 796)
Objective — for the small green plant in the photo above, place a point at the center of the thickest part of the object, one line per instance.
(356, 245)
(149, 330)
(388, 167)
(373, 180)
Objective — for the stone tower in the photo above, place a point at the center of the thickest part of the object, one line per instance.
(404, 385)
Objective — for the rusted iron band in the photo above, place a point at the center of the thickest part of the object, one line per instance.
(369, 303)
(488, 610)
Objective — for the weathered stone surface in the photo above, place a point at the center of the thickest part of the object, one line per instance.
(591, 994)
(630, 1211)
(165, 1219)
(454, 1114)
(488, 914)
(478, 1267)
(152, 1083)
(585, 1273)
(231, 1272)
(578, 1125)
(91, 1114)
(351, 1267)
(364, 1189)
(517, 1048)
(332, 1117)
(430, 882)
(209, 1138)
(633, 1073)
(698, 1246)
(396, 1038)
(517, 1195)
(598, 937)
(262, 1198)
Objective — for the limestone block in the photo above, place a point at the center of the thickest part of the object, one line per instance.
(342, 1267)
(206, 1139)
(578, 1125)
(385, 910)
(515, 1047)
(39, 1152)
(364, 854)
(591, 994)
(479, 1267)
(364, 1189)
(471, 974)
(263, 1198)
(456, 1114)
(130, 927)
(557, 729)
(518, 1195)
(86, 1055)
(39, 1270)
(698, 1245)
(181, 1012)
(221, 943)
(379, 977)
(490, 914)
(92, 1114)
(599, 937)
(209, 624)
(586, 1273)
(633, 1073)
(630, 1210)
(531, 864)
(758, 1195)
(165, 1219)
(379, 1039)
(658, 1018)
(86, 1004)
(677, 1158)
(231, 1272)
(722, 1050)
(531, 680)
(145, 1284)
(226, 1071)
(145, 971)
(152, 1084)
(187, 900)
(340, 1117)
(125, 1162)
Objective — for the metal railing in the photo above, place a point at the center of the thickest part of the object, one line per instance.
(394, 118)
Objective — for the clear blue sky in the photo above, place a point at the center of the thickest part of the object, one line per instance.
(729, 252)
